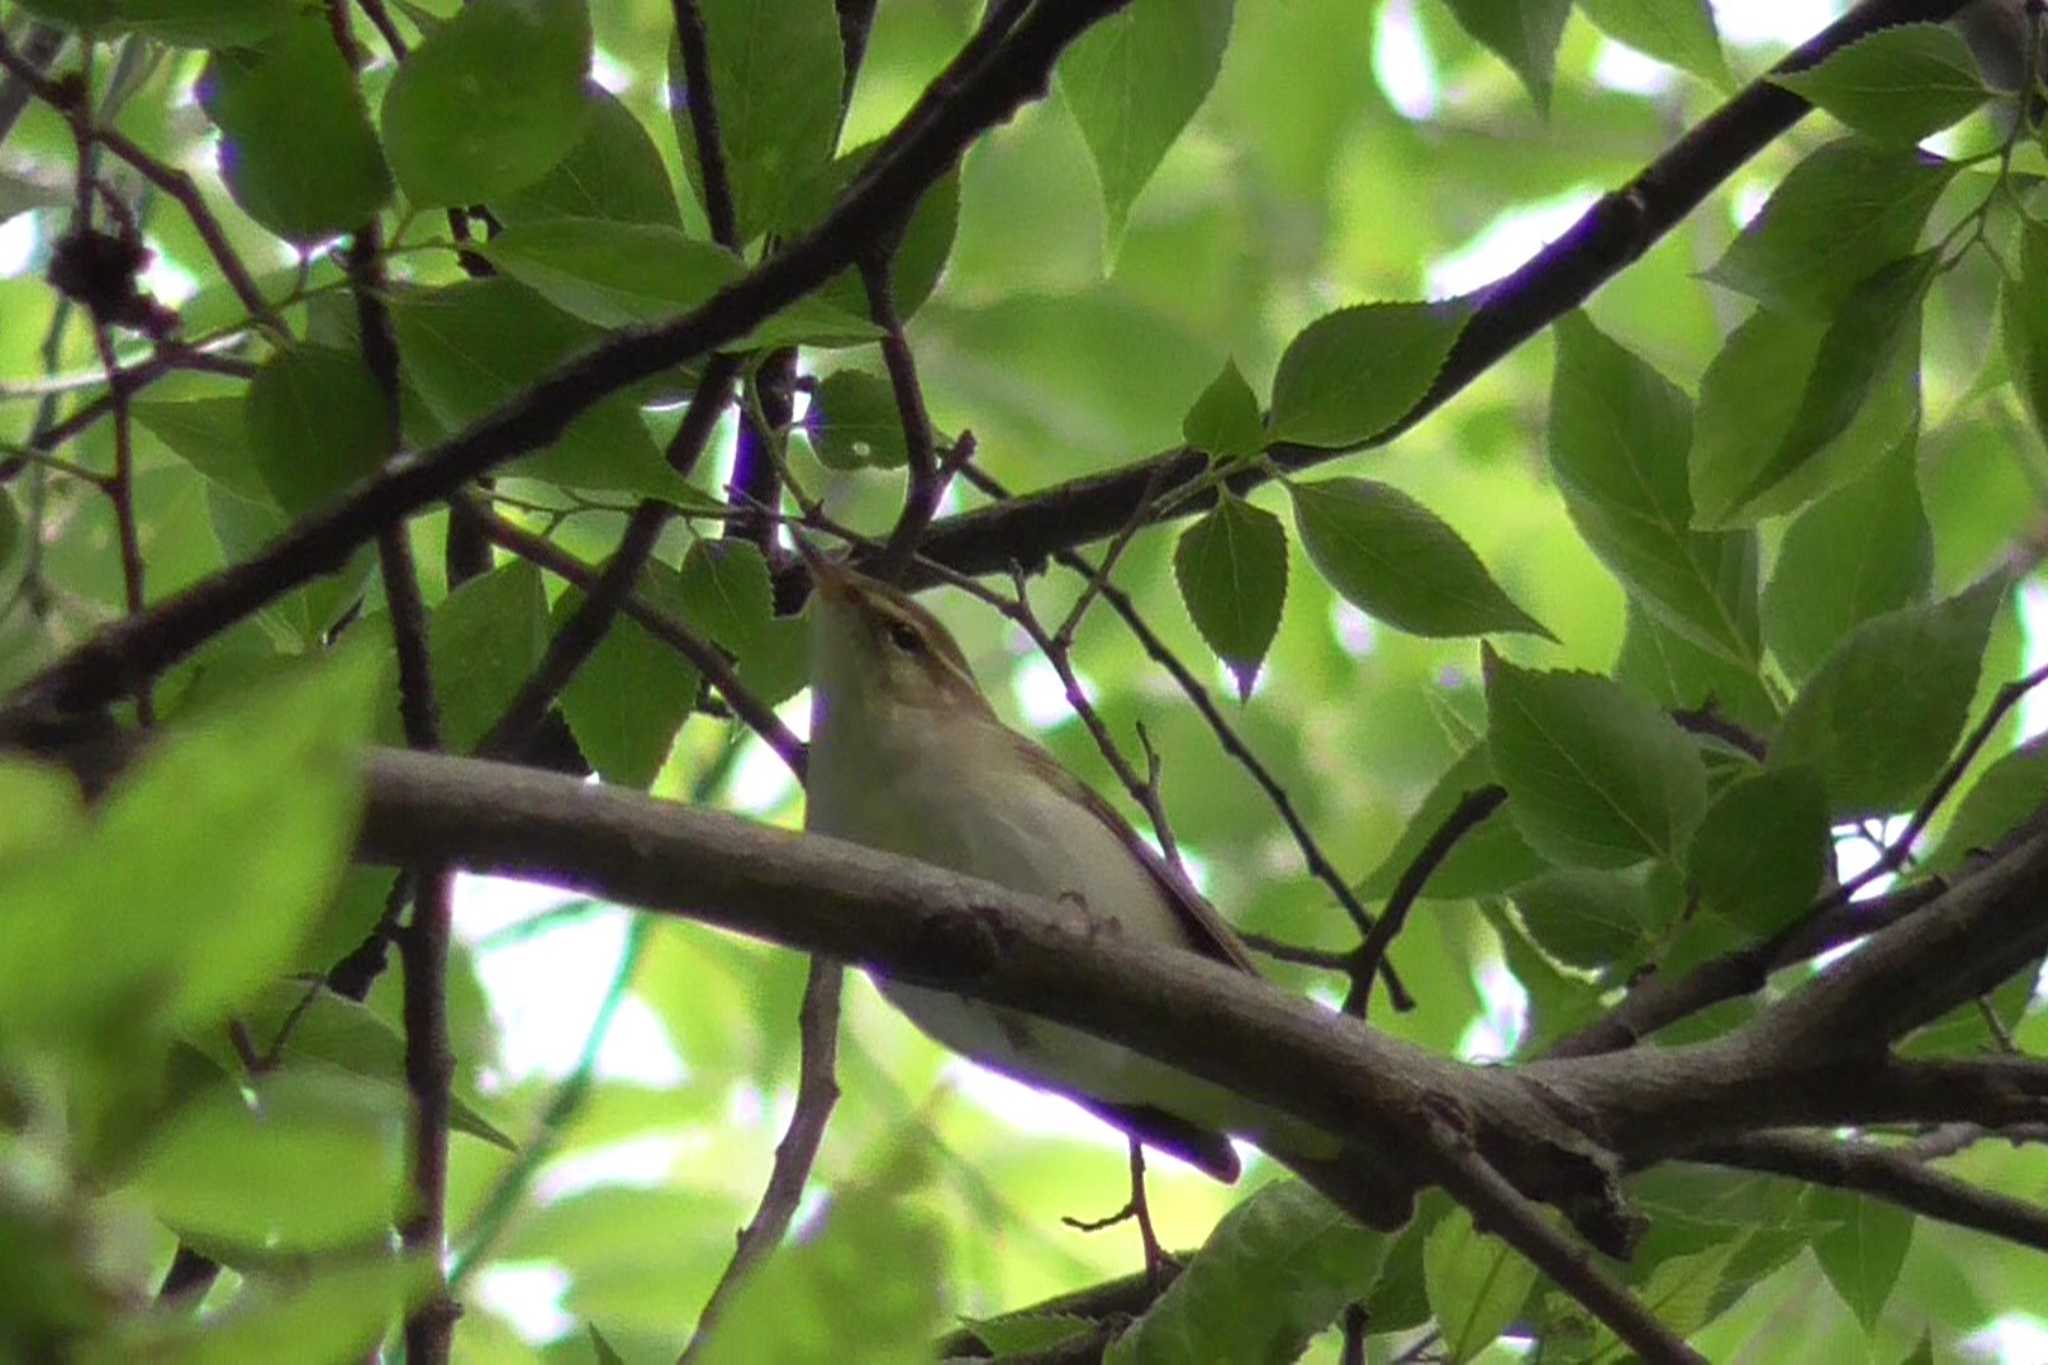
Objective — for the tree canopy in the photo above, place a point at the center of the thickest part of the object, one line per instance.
(1537, 507)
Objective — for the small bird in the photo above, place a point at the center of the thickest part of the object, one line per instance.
(908, 756)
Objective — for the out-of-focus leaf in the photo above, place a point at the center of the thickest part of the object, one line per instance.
(316, 423)
(212, 436)
(854, 422)
(297, 152)
(1878, 718)
(631, 696)
(1898, 84)
(1680, 32)
(486, 637)
(2009, 791)
(1596, 776)
(327, 1315)
(1276, 1271)
(180, 23)
(1841, 213)
(1133, 81)
(1232, 570)
(1351, 374)
(2025, 313)
(1393, 557)
(490, 101)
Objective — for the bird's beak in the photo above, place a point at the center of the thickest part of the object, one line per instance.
(834, 580)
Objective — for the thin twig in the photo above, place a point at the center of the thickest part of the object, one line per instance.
(1471, 811)
(921, 499)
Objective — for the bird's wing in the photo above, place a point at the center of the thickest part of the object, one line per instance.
(1208, 933)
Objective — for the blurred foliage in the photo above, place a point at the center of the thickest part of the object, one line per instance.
(1787, 465)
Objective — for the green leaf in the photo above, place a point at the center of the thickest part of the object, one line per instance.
(1880, 315)
(1351, 374)
(1758, 855)
(1680, 32)
(1522, 33)
(326, 1312)
(239, 822)
(180, 23)
(775, 77)
(44, 807)
(1225, 420)
(854, 423)
(919, 258)
(1842, 212)
(1897, 85)
(1596, 777)
(631, 696)
(235, 1170)
(1861, 551)
(1864, 1253)
(2025, 314)
(1753, 391)
(602, 1349)
(1232, 570)
(1391, 556)
(1477, 1284)
(1132, 82)
(486, 637)
(1029, 1333)
(297, 150)
(490, 101)
(1976, 1027)
(1588, 919)
(471, 346)
(729, 596)
(613, 172)
(1619, 433)
(1276, 1271)
(210, 434)
(1882, 712)
(316, 423)
(614, 274)
(1679, 675)
(1489, 859)
(2008, 792)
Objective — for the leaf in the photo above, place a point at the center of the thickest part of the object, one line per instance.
(235, 1170)
(1840, 214)
(1225, 420)
(2025, 317)
(1522, 33)
(1489, 859)
(854, 423)
(614, 172)
(325, 1313)
(1882, 712)
(1680, 32)
(1751, 394)
(212, 436)
(239, 822)
(316, 423)
(471, 346)
(919, 258)
(728, 595)
(1619, 433)
(1897, 85)
(602, 1349)
(1351, 374)
(297, 150)
(1863, 550)
(1589, 919)
(633, 694)
(776, 71)
(1132, 82)
(490, 101)
(1029, 1333)
(44, 806)
(1391, 556)
(180, 23)
(1681, 675)
(1596, 777)
(1477, 1283)
(1758, 855)
(485, 638)
(1864, 1253)
(1232, 570)
(1276, 1271)
(2008, 792)
(1881, 314)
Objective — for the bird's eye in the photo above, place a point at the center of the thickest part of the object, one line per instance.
(906, 638)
